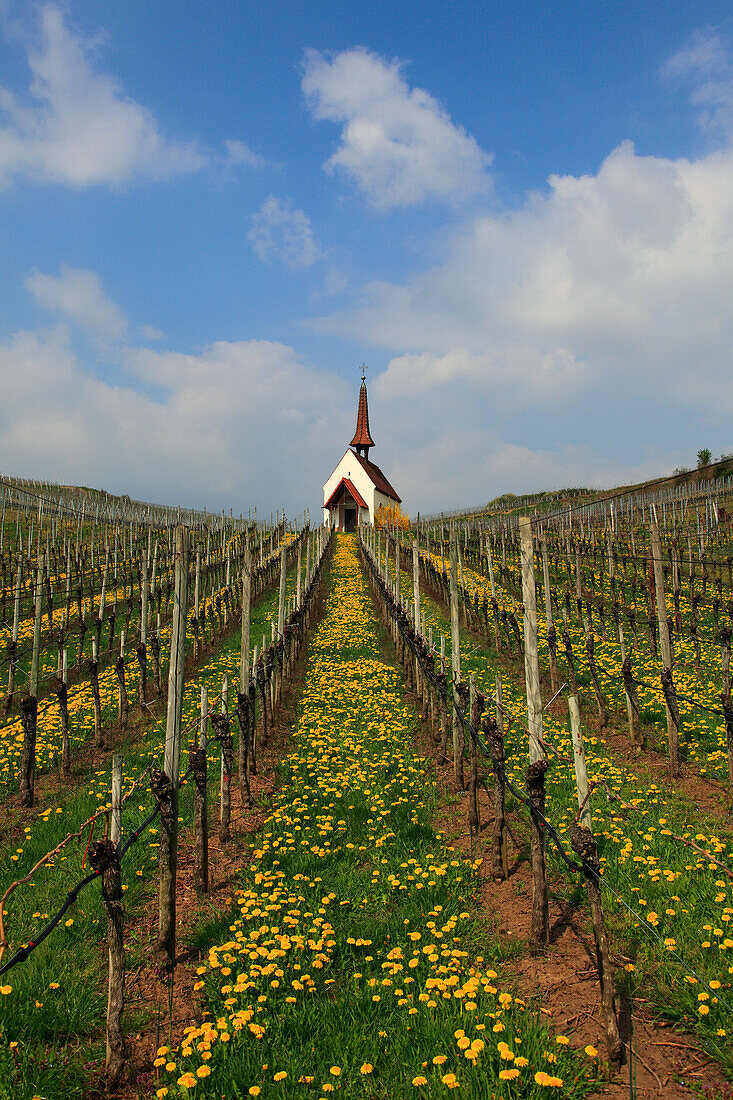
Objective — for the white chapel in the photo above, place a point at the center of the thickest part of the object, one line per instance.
(357, 487)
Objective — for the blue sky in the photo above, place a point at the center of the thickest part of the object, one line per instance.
(519, 215)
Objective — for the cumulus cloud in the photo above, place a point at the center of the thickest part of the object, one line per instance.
(621, 278)
(239, 424)
(280, 231)
(398, 144)
(79, 296)
(77, 126)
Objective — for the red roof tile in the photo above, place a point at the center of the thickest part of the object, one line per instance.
(351, 489)
(362, 438)
(377, 477)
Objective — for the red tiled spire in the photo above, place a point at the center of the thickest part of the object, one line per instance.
(362, 439)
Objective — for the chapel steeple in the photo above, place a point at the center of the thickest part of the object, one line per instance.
(362, 440)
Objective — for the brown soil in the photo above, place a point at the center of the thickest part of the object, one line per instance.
(563, 982)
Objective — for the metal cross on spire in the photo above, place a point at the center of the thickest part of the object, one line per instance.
(364, 369)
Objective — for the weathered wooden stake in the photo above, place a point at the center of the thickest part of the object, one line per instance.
(281, 595)
(584, 845)
(670, 695)
(455, 663)
(104, 858)
(477, 706)
(632, 702)
(442, 705)
(14, 642)
(581, 774)
(551, 635)
(198, 759)
(494, 732)
(168, 792)
(540, 928)
(115, 823)
(123, 706)
(63, 695)
(225, 776)
(96, 698)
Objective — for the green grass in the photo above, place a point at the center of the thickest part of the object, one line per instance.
(54, 1012)
(674, 891)
(355, 962)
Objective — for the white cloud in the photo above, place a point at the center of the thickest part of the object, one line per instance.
(240, 153)
(397, 144)
(79, 127)
(238, 424)
(79, 296)
(149, 332)
(279, 231)
(622, 278)
(706, 63)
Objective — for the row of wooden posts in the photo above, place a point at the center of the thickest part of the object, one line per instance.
(502, 628)
(448, 699)
(225, 581)
(261, 687)
(87, 591)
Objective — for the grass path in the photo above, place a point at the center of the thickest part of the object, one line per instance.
(351, 967)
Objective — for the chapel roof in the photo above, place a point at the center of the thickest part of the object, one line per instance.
(362, 438)
(377, 477)
(351, 489)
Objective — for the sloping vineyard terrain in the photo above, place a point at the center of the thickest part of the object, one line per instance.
(197, 901)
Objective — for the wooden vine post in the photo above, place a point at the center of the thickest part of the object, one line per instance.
(30, 704)
(455, 663)
(196, 603)
(104, 857)
(476, 709)
(670, 695)
(123, 706)
(199, 762)
(581, 773)
(494, 731)
(223, 729)
(417, 622)
(442, 705)
(298, 587)
(167, 789)
(551, 633)
(494, 602)
(584, 845)
(540, 926)
(632, 702)
(62, 691)
(277, 686)
(14, 642)
(142, 649)
(244, 677)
